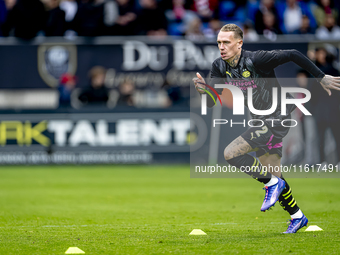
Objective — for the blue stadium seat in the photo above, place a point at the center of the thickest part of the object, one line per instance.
(228, 10)
(252, 8)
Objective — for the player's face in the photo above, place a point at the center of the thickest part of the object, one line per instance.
(228, 45)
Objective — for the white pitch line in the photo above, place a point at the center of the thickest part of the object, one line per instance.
(148, 225)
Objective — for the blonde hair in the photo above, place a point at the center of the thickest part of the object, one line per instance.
(238, 33)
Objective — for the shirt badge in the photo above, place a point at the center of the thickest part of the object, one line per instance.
(246, 74)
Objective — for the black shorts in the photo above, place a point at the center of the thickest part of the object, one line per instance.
(266, 139)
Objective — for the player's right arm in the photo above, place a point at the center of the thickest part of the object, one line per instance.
(201, 88)
(199, 83)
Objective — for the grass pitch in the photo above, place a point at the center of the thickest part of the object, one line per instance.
(152, 209)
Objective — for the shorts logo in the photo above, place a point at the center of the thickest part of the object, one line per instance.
(246, 74)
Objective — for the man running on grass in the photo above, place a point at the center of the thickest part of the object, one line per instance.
(236, 63)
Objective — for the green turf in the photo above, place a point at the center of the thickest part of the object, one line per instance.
(152, 209)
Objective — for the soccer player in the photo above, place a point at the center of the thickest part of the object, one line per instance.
(236, 63)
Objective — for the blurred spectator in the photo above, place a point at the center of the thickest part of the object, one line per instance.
(151, 19)
(292, 16)
(55, 25)
(153, 98)
(10, 4)
(291, 13)
(325, 108)
(302, 79)
(65, 88)
(308, 129)
(94, 16)
(265, 7)
(110, 12)
(179, 17)
(70, 7)
(194, 31)
(126, 21)
(96, 93)
(3, 14)
(88, 20)
(324, 8)
(329, 30)
(271, 27)
(174, 94)
(213, 29)
(249, 34)
(126, 93)
(25, 19)
(205, 8)
(305, 27)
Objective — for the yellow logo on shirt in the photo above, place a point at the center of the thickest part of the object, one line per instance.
(228, 73)
(246, 74)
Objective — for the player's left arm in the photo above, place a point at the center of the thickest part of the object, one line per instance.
(267, 60)
(329, 82)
